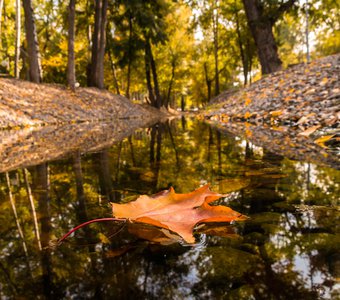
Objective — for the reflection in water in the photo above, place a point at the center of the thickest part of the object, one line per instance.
(287, 250)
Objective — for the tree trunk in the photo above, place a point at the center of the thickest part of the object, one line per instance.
(129, 57)
(182, 103)
(173, 67)
(113, 69)
(41, 192)
(148, 77)
(1, 7)
(98, 45)
(242, 52)
(207, 81)
(71, 73)
(158, 99)
(261, 28)
(215, 29)
(32, 43)
(17, 39)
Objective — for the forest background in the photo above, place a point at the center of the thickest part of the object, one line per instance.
(167, 53)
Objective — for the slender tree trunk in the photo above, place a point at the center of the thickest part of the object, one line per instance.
(148, 77)
(98, 45)
(129, 57)
(32, 43)
(173, 67)
(47, 25)
(71, 72)
(95, 43)
(215, 29)
(250, 63)
(102, 45)
(17, 39)
(242, 54)
(207, 81)
(182, 103)
(1, 8)
(113, 69)
(158, 99)
(261, 29)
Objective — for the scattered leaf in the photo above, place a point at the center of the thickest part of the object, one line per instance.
(276, 113)
(247, 115)
(324, 139)
(304, 119)
(324, 81)
(247, 101)
(309, 131)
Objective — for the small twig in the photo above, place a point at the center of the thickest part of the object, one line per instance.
(65, 236)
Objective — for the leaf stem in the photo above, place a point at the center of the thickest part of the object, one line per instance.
(65, 236)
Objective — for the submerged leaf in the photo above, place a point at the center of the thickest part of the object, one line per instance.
(232, 184)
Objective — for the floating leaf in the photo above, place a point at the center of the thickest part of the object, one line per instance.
(179, 213)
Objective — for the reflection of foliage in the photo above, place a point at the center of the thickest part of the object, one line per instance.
(286, 250)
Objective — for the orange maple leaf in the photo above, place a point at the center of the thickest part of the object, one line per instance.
(179, 213)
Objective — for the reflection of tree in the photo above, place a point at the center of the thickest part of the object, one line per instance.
(40, 191)
(17, 222)
(33, 210)
(155, 156)
(81, 210)
(105, 175)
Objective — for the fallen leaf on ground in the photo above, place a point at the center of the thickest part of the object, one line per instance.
(324, 139)
(179, 213)
(276, 113)
(310, 130)
(304, 119)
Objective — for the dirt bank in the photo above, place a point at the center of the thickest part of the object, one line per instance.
(25, 104)
(294, 112)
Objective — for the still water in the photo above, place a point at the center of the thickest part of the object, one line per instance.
(288, 249)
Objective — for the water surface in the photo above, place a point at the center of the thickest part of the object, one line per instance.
(288, 249)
